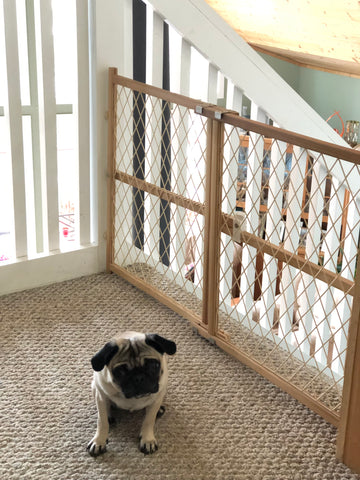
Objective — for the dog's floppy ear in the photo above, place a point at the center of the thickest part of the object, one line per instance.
(103, 356)
(161, 344)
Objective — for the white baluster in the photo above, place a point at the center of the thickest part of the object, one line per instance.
(308, 295)
(348, 271)
(123, 244)
(199, 88)
(289, 279)
(155, 41)
(179, 81)
(330, 247)
(230, 174)
(252, 208)
(274, 224)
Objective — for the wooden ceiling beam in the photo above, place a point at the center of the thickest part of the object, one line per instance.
(323, 34)
(324, 64)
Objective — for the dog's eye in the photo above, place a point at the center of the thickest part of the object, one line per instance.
(152, 365)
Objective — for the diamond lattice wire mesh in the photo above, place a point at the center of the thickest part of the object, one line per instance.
(293, 323)
(285, 291)
(160, 147)
(144, 124)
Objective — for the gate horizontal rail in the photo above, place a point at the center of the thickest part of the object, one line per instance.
(233, 118)
(261, 245)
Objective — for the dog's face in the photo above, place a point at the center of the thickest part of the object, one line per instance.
(136, 363)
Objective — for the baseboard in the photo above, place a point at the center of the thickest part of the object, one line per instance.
(56, 267)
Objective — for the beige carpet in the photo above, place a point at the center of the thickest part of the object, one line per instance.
(223, 421)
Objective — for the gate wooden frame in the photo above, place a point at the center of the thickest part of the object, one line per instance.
(348, 422)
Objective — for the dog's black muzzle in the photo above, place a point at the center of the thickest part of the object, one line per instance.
(138, 385)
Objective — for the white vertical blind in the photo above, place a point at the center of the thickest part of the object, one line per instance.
(35, 128)
(83, 112)
(14, 118)
(47, 116)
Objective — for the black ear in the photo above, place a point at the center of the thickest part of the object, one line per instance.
(103, 357)
(161, 344)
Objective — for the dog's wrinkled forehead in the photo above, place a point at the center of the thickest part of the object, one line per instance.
(133, 352)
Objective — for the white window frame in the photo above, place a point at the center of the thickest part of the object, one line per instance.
(51, 264)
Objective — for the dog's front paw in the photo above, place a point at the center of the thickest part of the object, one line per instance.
(96, 446)
(148, 444)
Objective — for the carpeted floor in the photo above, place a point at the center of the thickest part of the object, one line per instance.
(223, 421)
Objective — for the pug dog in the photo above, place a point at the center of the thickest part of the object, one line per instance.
(130, 372)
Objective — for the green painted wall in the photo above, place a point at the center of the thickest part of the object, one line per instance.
(288, 71)
(325, 92)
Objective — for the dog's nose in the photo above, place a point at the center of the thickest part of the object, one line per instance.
(139, 379)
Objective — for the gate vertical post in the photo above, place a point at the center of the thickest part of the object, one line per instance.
(213, 198)
(348, 439)
(111, 167)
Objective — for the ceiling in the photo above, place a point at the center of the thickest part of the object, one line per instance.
(322, 34)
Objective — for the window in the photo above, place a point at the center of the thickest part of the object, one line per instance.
(43, 58)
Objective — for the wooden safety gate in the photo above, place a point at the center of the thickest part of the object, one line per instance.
(250, 232)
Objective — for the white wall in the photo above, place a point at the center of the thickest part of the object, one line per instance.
(325, 92)
(113, 48)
